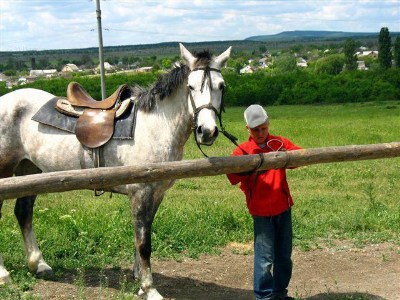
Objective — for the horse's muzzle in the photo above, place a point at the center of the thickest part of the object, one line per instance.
(205, 136)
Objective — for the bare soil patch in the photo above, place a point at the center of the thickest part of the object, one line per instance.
(339, 272)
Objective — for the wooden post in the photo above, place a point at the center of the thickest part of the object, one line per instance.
(103, 178)
(101, 55)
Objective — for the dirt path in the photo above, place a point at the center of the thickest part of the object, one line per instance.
(340, 272)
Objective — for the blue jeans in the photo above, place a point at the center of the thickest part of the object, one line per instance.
(272, 255)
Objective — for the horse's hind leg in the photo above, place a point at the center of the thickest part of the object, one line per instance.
(4, 275)
(24, 213)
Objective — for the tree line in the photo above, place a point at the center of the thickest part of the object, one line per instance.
(296, 87)
(301, 87)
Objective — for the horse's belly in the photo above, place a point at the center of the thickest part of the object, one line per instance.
(52, 150)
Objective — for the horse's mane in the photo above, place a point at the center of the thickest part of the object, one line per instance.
(167, 83)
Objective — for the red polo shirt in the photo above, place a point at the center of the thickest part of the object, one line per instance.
(267, 193)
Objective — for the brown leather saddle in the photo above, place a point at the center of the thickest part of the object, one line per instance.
(96, 119)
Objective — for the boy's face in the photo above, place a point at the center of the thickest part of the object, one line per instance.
(259, 133)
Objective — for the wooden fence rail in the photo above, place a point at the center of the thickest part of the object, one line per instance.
(103, 178)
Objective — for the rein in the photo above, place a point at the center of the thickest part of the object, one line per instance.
(196, 110)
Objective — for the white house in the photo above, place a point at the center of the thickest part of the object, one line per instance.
(361, 65)
(44, 73)
(7, 80)
(70, 68)
(263, 63)
(373, 54)
(247, 69)
(107, 66)
(143, 69)
(302, 63)
(4, 77)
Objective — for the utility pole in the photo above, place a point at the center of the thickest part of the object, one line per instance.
(101, 56)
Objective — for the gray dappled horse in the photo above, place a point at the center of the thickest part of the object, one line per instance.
(190, 93)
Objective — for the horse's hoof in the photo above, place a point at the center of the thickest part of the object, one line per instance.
(47, 274)
(152, 294)
(44, 271)
(5, 278)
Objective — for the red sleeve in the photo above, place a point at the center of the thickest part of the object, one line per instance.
(235, 178)
(290, 147)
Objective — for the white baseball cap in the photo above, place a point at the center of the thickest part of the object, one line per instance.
(255, 115)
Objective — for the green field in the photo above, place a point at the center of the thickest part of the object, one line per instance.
(356, 201)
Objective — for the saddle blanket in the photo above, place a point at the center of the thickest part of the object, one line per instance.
(124, 128)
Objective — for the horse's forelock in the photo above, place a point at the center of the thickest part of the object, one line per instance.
(203, 59)
(164, 87)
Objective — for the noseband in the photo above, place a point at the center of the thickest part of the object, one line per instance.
(196, 110)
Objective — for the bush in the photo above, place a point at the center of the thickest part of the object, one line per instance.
(58, 86)
(301, 87)
(3, 88)
(331, 65)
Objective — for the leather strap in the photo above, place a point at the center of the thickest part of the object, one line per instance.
(196, 110)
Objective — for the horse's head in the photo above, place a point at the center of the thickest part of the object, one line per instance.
(205, 90)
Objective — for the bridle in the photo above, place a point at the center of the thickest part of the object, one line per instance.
(196, 110)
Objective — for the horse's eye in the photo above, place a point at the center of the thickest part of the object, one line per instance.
(190, 87)
(221, 86)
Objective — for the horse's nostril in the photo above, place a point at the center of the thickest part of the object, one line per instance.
(216, 132)
(206, 136)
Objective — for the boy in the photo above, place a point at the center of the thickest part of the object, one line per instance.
(269, 202)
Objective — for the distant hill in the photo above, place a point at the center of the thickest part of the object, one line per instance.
(281, 40)
(307, 36)
(159, 50)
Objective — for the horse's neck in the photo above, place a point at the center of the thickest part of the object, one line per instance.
(174, 116)
(167, 128)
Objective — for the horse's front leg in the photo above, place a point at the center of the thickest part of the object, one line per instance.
(4, 274)
(24, 212)
(144, 207)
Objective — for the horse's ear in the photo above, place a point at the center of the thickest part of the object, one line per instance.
(223, 57)
(187, 56)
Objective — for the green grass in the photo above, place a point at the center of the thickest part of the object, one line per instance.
(357, 201)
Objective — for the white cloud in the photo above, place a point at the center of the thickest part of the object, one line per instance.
(39, 24)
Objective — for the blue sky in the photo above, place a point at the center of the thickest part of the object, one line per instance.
(65, 24)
